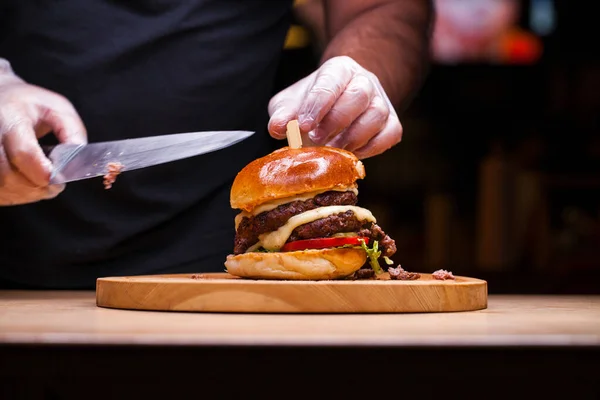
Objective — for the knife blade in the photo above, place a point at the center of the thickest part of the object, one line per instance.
(74, 162)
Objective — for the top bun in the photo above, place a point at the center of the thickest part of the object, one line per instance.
(288, 172)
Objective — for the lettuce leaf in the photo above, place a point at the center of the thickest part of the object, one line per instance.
(373, 254)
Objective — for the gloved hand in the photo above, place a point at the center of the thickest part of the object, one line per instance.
(341, 105)
(28, 112)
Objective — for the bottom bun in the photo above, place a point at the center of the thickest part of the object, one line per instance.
(321, 264)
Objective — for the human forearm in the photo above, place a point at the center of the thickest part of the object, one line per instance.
(374, 62)
(390, 39)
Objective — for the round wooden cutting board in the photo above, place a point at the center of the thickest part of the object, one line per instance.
(221, 292)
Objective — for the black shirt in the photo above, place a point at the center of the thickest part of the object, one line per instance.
(139, 68)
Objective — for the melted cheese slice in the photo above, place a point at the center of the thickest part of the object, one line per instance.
(275, 240)
(276, 203)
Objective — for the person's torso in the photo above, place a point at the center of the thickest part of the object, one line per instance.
(132, 69)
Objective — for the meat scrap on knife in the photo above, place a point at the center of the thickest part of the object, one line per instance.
(299, 219)
(113, 170)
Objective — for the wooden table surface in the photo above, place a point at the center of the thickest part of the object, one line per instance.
(73, 318)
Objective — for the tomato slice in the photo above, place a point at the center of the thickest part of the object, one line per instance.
(322, 243)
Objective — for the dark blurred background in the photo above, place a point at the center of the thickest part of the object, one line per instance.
(498, 173)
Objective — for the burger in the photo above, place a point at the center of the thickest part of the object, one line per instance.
(299, 219)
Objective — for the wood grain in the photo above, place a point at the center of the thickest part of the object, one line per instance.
(221, 292)
(72, 317)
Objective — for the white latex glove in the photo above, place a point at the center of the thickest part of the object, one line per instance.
(341, 105)
(28, 112)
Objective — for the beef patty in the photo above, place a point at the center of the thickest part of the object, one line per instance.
(250, 228)
(345, 222)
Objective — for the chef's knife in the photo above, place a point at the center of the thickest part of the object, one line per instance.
(75, 162)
